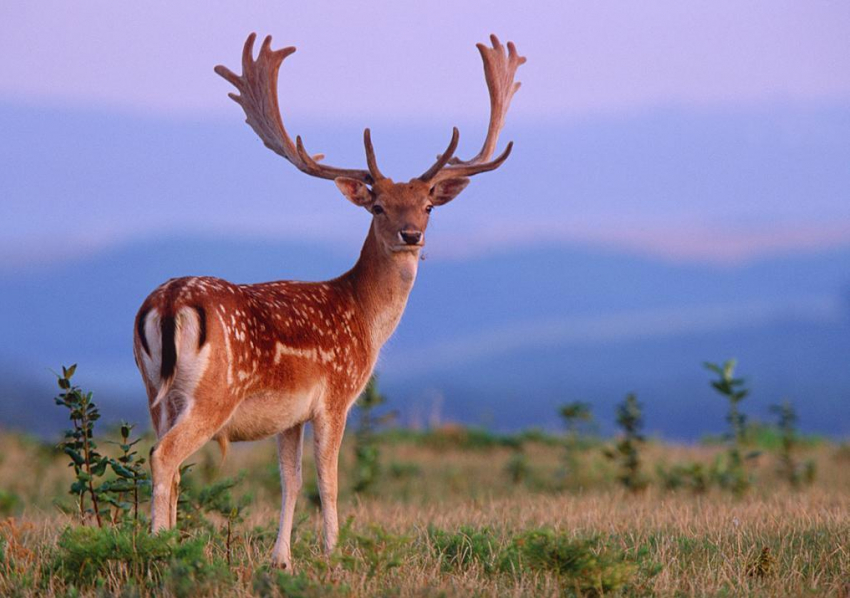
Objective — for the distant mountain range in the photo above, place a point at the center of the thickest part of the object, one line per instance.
(705, 182)
(497, 340)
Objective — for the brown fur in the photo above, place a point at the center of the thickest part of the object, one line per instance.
(235, 362)
(269, 346)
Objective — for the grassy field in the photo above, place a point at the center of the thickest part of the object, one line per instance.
(452, 513)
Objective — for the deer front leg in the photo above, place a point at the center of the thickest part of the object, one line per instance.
(327, 438)
(289, 449)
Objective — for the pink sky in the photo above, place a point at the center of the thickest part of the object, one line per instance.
(414, 60)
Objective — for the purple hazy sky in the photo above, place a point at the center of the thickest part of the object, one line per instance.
(415, 60)
(409, 67)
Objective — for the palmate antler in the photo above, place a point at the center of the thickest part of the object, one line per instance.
(258, 97)
(499, 72)
(257, 88)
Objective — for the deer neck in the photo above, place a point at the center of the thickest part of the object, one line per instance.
(382, 281)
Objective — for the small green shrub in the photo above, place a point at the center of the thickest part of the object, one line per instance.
(195, 502)
(731, 473)
(453, 437)
(460, 549)
(367, 452)
(132, 486)
(79, 444)
(10, 502)
(586, 567)
(538, 436)
(191, 572)
(796, 474)
(373, 551)
(127, 489)
(573, 415)
(86, 556)
(403, 469)
(689, 476)
(626, 451)
(269, 582)
(517, 468)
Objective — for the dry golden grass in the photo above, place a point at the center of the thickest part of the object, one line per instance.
(774, 541)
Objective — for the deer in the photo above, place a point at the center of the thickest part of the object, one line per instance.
(241, 362)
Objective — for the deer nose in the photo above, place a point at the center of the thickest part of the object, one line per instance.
(410, 237)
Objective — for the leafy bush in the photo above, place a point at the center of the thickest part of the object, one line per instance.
(9, 502)
(517, 468)
(367, 452)
(403, 469)
(795, 473)
(133, 484)
(268, 582)
(80, 446)
(90, 466)
(191, 572)
(573, 415)
(373, 551)
(87, 556)
(626, 450)
(460, 549)
(690, 476)
(583, 566)
(453, 436)
(732, 473)
(194, 503)
(586, 567)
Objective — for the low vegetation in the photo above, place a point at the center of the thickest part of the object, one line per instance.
(449, 511)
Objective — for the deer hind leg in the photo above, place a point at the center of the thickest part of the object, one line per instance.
(327, 436)
(163, 416)
(289, 451)
(175, 496)
(190, 432)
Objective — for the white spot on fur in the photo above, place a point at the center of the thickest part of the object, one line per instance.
(227, 350)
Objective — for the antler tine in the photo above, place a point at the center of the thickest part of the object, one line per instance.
(499, 72)
(370, 156)
(258, 97)
(443, 158)
(500, 66)
(467, 170)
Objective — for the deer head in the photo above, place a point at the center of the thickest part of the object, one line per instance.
(400, 211)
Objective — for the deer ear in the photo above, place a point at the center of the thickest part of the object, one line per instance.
(446, 190)
(357, 192)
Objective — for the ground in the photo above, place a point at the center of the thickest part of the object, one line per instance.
(451, 513)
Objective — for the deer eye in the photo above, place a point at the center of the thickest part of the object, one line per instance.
(429, 209)
(376, 210)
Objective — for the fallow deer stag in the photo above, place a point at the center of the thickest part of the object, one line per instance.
(235, 362)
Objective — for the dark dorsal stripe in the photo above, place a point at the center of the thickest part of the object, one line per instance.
(140, 330)
(169, 350)
(202, 319)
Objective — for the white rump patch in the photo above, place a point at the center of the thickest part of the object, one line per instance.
(191, 363)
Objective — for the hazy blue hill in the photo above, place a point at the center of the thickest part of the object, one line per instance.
(540, 323)
(558, 281)
(84, 309)
(85, 173)
(805, 361)
(503, 338)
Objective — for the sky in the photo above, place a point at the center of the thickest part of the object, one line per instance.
(760, 90)
(416, 60)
